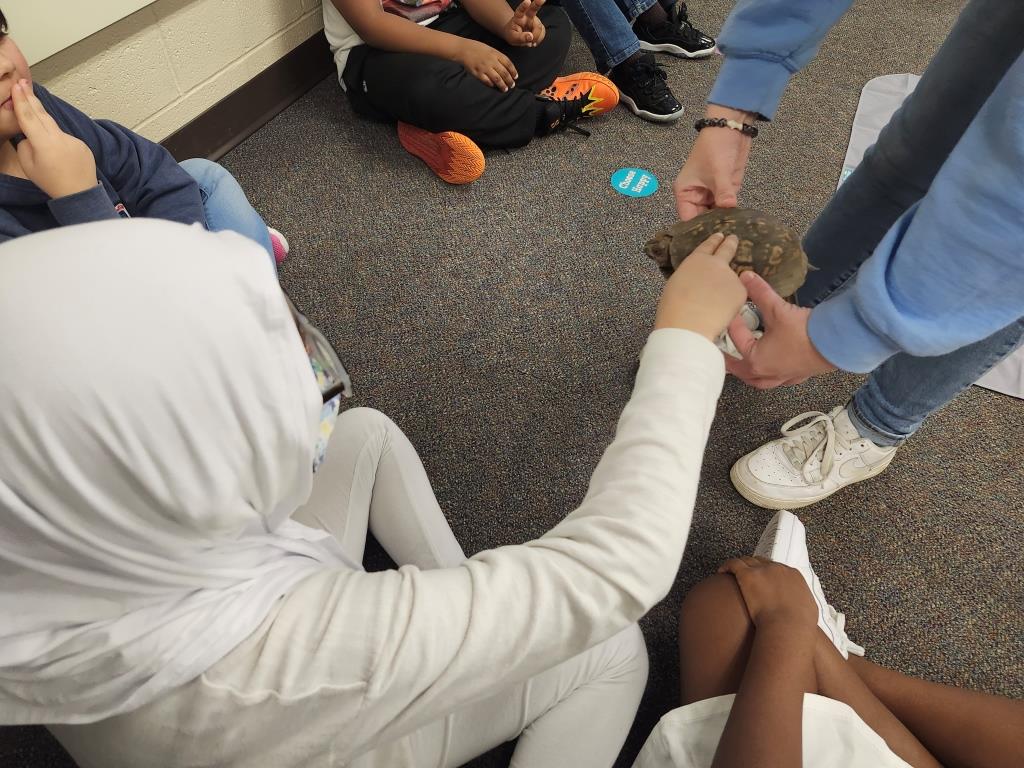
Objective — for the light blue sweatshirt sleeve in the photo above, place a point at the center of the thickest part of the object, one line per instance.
(950, 271)
(765, 42)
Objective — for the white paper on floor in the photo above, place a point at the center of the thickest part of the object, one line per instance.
(880, 98)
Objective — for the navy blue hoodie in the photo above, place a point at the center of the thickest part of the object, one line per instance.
(132, 171)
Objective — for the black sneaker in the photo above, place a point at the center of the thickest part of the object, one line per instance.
(676, 36)
(643, 88)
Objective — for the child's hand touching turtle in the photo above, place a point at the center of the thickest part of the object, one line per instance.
(704, 294)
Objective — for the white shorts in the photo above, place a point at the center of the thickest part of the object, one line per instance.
(833, 734)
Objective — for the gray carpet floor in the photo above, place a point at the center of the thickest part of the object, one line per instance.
(499, 325)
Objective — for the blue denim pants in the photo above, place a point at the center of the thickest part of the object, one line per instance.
(895, 173)
(606, 27)
(225, 203)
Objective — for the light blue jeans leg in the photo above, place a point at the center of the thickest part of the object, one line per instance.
(902, 392)
(606, 27)
(895, 173)
(225, 203)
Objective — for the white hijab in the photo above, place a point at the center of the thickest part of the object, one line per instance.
(158, 416)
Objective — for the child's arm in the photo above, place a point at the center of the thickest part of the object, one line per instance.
(389, 32)
(148, 180)
(765, 726)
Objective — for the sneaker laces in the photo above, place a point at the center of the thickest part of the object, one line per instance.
(651, 78)
(839, 620)
(678, 23)
(570, 111)
(814, 440)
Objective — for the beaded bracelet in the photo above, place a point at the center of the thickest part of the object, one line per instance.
(720, 122)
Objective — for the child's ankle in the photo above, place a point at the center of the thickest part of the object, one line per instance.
(656, 14)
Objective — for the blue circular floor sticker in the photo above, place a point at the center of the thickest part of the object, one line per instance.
(634, 182)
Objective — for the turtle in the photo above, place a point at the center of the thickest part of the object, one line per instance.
(767, 246)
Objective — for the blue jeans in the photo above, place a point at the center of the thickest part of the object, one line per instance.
(606, 27)
(225, 203)
(895, 173)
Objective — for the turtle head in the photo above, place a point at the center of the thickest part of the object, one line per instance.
(658, 249)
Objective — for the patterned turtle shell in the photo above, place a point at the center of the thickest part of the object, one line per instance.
(767, 246)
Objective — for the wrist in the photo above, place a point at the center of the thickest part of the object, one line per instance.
(684, 319)
(818, 361)
(717, 110)
(71, 188)
(454, 48)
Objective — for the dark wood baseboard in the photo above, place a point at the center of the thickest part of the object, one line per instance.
(238, 115)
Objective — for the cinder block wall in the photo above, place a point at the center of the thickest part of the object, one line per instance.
(157, 69)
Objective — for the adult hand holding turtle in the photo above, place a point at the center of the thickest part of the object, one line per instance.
(713, 173)
(914, 282)
(711, 178)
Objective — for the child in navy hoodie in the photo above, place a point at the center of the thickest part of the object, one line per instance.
(60, 167)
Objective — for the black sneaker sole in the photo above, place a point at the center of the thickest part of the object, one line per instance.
(675, 50)
(643, 114)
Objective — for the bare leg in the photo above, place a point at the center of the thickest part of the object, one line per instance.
(715, 638)
(917, 719)
(837, 680)
(961, 727)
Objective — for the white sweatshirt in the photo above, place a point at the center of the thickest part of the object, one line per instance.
(160, 429)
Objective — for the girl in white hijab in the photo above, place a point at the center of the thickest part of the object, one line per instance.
(158, 417)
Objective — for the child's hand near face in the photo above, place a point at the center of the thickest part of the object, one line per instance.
(524, 28)
(57, 163)
(704, 294)
(488, 65)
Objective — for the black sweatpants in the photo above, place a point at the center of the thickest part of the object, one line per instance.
(439, 95)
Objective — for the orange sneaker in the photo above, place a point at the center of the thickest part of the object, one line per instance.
(452, 156)
(584, 94)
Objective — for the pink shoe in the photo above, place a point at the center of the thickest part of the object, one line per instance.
(280, 243)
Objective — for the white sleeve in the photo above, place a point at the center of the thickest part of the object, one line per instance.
(449, 637)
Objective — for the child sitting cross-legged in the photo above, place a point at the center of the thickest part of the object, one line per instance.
(770, 679)
(59, 167)
(478, 73)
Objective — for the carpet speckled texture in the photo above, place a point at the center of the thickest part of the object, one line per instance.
(499, 325)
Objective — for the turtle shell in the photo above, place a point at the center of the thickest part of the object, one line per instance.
(767, 246)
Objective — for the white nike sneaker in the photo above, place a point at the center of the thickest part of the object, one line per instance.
(785, 541)
(809, 462)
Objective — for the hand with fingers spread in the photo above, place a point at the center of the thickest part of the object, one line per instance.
(704, 293)
(713, 173)
(785, 354)
(57, 163)
(773, 593)
(488, 65)
(524, 28)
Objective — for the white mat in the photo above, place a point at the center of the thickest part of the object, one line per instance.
(879, 99)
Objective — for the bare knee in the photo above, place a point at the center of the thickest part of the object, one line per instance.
(715, 635)
(365, 421)
(715, 602)
(629, 651)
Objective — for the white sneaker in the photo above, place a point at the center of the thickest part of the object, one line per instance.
(752, 319)
(785, 541)
(809, 463)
